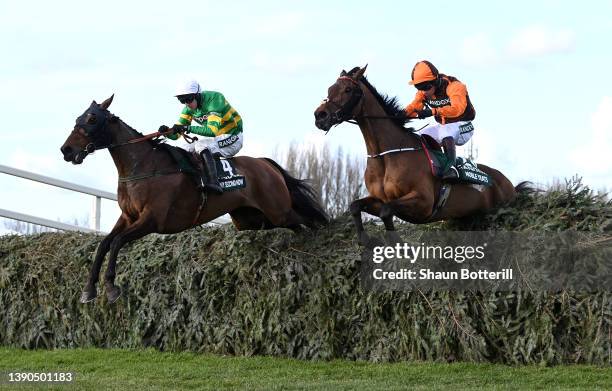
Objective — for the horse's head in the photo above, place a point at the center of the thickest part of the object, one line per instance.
(90, 133)
(342, 102)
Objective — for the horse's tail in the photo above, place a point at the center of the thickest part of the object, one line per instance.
(526, 188)
(303, 198)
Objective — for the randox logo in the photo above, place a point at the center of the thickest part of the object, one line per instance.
(227, 142)
(466, 128)
(439, 102)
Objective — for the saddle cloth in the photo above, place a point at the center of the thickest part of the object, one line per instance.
(227, 173)
(468, 170)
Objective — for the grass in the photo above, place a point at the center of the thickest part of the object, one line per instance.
(151, 370)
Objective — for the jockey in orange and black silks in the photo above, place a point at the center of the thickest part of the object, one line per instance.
(447, 100)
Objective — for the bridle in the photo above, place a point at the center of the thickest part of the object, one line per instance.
(343, 112)
(94, 132)
(99, 137)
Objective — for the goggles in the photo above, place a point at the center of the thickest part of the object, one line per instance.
(186, 99)
(424, 86)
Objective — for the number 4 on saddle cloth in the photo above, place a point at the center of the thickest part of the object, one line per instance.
(468, 171)
(228, 175)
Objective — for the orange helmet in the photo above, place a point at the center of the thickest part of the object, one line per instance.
(423, 71)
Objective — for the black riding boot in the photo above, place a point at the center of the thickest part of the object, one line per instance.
(211, 182)
(449, 150)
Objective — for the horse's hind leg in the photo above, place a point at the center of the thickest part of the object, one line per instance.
(90, 292)
(371, 206)
(281, 215)
(411, 207)
(137, 230)
(247, 218)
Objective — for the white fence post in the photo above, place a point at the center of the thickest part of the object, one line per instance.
(97, 205)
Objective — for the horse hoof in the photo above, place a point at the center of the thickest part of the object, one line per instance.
(88, 295)
(112, 294)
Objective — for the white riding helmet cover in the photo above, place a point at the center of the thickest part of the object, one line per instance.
(186, 88)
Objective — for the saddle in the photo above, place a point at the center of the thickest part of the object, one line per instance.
(468, 170)
(191, 163)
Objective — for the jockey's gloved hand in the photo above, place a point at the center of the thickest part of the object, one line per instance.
(163, 129)
(424, 113)
(176, 129)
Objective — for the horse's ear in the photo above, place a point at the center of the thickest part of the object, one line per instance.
(104, 105)
(343, 73)
(359, 74)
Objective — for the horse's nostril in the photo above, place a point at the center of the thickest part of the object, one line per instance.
(66, 149)
(321, 115)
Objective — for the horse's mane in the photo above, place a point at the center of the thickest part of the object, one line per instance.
(153, 142)
(390, 104)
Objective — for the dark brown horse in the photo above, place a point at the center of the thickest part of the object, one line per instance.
(399, 182)
(154, 196)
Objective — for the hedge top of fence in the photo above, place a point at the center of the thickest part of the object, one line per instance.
(298, 295)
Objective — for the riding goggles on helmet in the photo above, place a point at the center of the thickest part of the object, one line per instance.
(185, 99)
(424, 86)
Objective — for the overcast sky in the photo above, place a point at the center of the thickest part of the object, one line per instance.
(537, 73)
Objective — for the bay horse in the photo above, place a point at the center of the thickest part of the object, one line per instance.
(156, 197)
(398, 174)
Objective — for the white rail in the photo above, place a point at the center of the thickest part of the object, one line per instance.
(98, 194)
(44, 222)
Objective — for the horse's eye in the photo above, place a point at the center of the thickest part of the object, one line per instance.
(91, 120)
(348, 89)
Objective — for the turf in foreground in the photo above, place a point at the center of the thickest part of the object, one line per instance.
(151, 370)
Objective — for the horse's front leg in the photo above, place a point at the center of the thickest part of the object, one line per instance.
(141, 227)
(90, 292)
(370, 205)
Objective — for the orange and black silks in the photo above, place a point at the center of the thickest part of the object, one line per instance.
(450, 102)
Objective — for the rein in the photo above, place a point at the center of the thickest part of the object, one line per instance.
(340, 115)
(99, 137)
(150, 136)
(92, 147)
(391, 117)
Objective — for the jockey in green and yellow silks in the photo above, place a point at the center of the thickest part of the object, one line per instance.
(217, 121)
